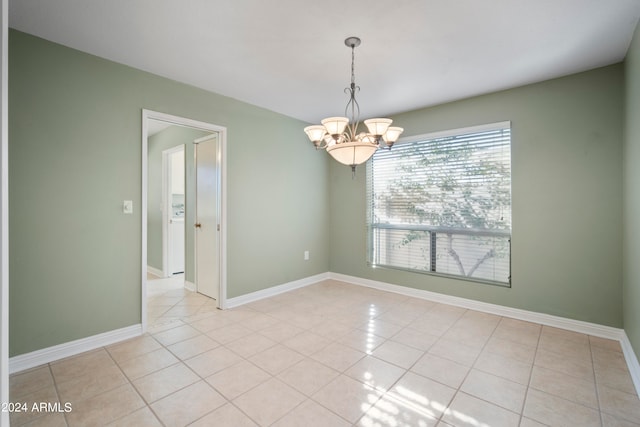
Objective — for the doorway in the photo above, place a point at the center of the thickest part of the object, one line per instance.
(210, 278)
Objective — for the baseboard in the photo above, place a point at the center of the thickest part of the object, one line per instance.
(514, 313)
(51, 354)
(60, 351)
(155, 271)
(275, 290)
(632, 361)
(500, 310)
(190, 286)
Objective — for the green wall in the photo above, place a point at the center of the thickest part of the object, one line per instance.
(631, 288)
(75, 155)
(566, 189)
(164, 140)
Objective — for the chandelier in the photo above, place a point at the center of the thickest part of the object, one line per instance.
(338, 135)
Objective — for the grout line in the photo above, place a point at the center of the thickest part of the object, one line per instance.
(533, 364)
(182, 362)
(459, 389)
(595, 382)
(130, 382)
(55, 386)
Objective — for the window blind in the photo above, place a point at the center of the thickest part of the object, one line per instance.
(441, 204)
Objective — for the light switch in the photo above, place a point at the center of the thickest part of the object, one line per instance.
(127, 206)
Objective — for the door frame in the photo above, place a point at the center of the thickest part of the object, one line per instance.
(167, 235)
(183, 121)
(4, 210)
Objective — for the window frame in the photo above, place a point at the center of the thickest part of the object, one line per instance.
(372, 226)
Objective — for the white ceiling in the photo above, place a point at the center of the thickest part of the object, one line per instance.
(288, 55)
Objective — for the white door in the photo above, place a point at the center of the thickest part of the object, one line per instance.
(176, 248)
(207, 217)
(173, 210)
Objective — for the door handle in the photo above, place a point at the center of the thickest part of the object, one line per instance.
(198, 225)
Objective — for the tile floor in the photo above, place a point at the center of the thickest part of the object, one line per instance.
(334, 354)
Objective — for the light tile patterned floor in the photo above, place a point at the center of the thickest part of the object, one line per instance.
(334, 354)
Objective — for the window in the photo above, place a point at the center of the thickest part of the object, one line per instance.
(441, 204)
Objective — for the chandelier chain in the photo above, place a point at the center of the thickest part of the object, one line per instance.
(353, 65)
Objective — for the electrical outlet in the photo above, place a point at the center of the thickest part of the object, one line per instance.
(306, 255)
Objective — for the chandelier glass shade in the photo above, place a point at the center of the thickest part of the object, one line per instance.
(339, 136)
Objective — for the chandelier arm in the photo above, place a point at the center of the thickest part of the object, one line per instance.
(354, 107)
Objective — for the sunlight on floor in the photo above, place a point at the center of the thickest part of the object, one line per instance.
(403, 407)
